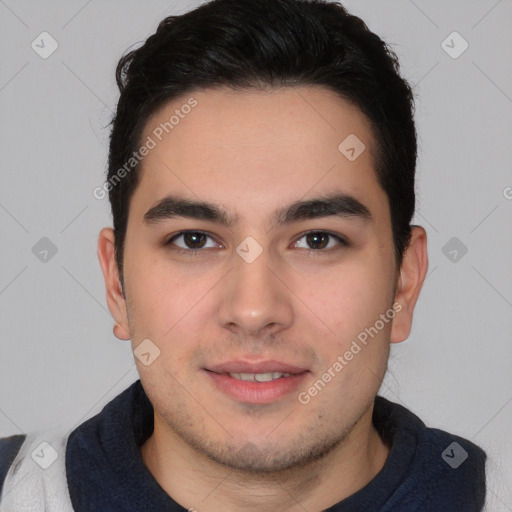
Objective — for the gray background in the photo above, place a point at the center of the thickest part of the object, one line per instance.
(59, 360)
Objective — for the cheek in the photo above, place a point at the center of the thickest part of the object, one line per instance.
(350, 298)
(156, 292)
(165, 306)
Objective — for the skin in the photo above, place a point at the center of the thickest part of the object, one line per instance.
(251, 153)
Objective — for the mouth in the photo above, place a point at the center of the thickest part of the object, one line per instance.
(259, 377)
(256, 383)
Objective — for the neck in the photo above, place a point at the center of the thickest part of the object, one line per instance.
(198, 483)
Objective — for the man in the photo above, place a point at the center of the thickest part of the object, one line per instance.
(261, 177)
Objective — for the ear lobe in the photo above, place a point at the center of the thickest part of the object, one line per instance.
(115, 298)
(121, 333)
(412, 275)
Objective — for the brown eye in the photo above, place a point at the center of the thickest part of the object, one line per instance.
(194, 240)
(318, 240)
(190, 241)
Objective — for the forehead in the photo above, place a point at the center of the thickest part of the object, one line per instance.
(265, 147)
(311, 119)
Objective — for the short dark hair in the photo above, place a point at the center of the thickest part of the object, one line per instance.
(248, 44)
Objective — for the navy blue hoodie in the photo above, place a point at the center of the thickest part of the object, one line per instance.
(428, 470)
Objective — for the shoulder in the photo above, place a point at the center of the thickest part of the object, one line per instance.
(444, 471)
(33, 472)
(9, 448)
(454, 470)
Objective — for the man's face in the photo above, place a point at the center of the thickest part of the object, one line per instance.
(287, 295)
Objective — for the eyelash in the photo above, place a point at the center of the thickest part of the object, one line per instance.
(342, 242)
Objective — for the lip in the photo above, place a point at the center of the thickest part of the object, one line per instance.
(268, 366)
(256, 392)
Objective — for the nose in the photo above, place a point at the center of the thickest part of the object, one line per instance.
(255, 299)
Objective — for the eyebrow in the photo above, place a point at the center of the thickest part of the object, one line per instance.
(334, 205)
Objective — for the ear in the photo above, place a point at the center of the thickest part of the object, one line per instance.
(115, 298)
(412, 274)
